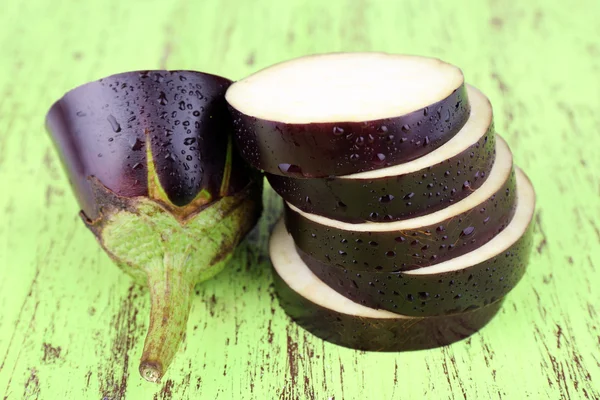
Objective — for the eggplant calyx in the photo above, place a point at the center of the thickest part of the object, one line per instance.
(170, 255)
(224, 190)
(157, 192)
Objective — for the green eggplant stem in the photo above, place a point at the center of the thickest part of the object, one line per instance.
(170, 295)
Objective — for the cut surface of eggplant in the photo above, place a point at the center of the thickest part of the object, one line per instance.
(442, 177)
(350, 87)
(417, 242)
(343, 113)
(327, 314)
(464, 283)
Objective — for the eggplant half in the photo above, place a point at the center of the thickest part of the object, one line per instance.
(325, 313)
(339, 114)
(425, 185)
(417, 242)
(473, 280)
(150, 158)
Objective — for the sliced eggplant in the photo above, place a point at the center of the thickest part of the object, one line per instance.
(417, 242)
(468, 282)
(327, 314)
(427, 184)
(339, 114)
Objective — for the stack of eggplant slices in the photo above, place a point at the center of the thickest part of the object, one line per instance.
(406, 223)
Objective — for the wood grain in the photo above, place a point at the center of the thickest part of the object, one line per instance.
(71, 324)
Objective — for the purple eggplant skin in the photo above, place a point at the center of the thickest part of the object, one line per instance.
(394, 251)
(319, 150)
(430, 295)
(384, 335)
(101, 129)
(392, 198)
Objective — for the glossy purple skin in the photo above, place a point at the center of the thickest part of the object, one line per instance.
(430, 295)
(100, 129)
(392, 198)
(409, 249)
(375, 334)
(320, 150)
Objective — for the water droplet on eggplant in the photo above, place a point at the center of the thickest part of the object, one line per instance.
(116, 127)
(467, 231)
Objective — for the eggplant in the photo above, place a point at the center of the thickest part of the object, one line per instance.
(413, 243)
(150, 157)
(461, 284)
(325, 313)
(339, 114)
(436, 180)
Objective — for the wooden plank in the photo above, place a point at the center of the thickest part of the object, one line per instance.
(72, 325)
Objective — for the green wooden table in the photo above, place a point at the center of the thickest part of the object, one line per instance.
(72, 325)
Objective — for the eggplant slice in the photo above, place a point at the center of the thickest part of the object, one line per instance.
(339, 114)
(427, 184)
(413, 243)
(468, 282)
(325, 313)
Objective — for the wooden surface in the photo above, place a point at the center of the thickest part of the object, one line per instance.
(71, 324)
